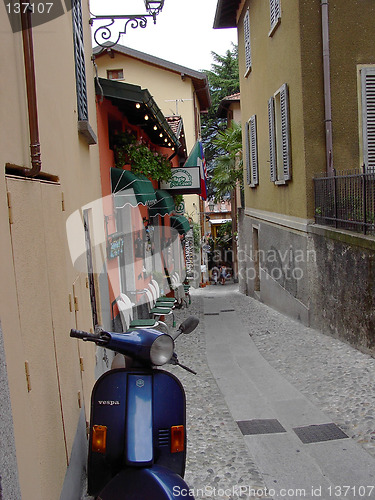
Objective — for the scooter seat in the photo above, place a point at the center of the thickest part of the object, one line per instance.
(156, 483)
(136, 323)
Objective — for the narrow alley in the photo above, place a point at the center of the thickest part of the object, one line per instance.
(304, 401)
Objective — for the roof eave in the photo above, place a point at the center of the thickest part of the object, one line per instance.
(119, 92)
(226, 12)
(199, 79)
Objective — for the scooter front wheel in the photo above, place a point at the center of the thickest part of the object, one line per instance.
(156, 482)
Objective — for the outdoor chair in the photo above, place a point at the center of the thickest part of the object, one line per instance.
(158, 311)
(125, 307)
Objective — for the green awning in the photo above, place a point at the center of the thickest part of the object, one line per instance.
(131, 189)
(180, 223)
(125, 96)
(165, 204)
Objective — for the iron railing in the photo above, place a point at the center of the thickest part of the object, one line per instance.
(346, 200)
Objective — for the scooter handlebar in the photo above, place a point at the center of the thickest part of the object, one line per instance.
(80, 334)
(189, 325)
(186, 327)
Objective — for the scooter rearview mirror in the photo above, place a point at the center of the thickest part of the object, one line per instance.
(189, 324)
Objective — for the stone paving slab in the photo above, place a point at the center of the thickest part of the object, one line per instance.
(287, 349)
(336, 377)
(219, 464)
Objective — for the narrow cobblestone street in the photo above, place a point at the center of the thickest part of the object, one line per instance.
(314, 379)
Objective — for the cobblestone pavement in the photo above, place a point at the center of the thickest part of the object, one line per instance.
(337, 378)
(219, 464)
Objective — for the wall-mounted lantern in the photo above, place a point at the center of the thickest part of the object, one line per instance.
(103, 33)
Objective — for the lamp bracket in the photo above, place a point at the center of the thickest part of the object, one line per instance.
(103, 33)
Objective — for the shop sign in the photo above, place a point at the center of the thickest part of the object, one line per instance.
(184, 181)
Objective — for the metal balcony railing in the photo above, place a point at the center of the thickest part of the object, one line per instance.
(346, 200)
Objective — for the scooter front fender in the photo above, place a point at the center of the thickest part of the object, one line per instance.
(156, 482)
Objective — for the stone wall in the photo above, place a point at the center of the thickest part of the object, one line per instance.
(343, 286)
(274, 266)
(322, 277)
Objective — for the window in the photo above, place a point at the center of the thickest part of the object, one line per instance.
(275, 15)
(246, 30)
(279, 136)
(368, 116)
(79, 56)
(252, 152)
(115, 74)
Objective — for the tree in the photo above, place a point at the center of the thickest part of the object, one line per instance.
(228, 170)
(223, 80)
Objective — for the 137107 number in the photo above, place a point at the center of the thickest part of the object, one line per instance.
(40, 7)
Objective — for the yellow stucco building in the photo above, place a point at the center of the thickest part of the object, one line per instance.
(307, 72)
(47, 103)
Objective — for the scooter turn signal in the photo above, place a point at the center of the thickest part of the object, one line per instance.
(177, 438)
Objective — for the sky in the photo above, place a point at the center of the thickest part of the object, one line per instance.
(183, 32)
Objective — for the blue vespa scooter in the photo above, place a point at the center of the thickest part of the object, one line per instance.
(137, 446)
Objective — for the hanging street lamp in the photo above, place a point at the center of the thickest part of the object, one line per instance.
(104, 29)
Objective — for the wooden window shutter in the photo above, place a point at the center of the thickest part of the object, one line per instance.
(247, 158)
(285, 131)
(79, 56)
(254, 150)
(275, 12)
(368, 116)
(272, 138)
(246, 29)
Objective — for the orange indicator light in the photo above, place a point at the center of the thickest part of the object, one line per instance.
(177, 438)
(99, 438)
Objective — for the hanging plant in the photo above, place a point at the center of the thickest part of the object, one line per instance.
(129, 150)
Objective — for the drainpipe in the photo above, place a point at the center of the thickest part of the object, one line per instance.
(28, 53)
(327, 87)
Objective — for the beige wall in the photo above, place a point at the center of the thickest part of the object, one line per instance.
(37, 276)
(236, 108)
(272, 66)
(192, 206)
(351, 45)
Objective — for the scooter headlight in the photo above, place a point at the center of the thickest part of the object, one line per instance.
(161, 350)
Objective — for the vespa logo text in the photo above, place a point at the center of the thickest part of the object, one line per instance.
(109, 403)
